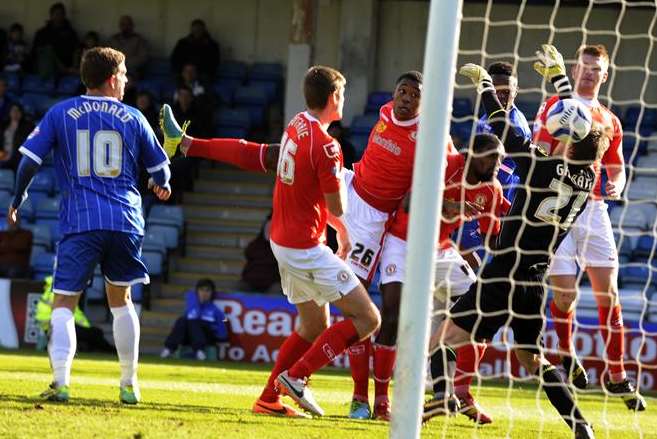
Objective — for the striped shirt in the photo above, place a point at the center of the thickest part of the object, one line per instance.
(98, 145)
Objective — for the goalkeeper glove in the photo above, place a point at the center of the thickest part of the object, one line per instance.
(550, 62)
(479, 77)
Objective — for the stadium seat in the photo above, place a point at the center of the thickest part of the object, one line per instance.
(254, 99)
(158, 68)
(237, 118)
(5, 200)
(649, 119)
(154, 262)
(363, 124)
(642, 188)
(169, 233)
(47, 208)
(233, 70)
(154, 242)
(13, 81)
(225, 90)
(625, 249)
(161, 214)
(360, 143)
(632, 216)
(167, 91)
(647, 166)
(231, 132)
(152, 86)
(26, 210)
(36, 84)
(41, 235)
(461, 130)
(68, 85)
(376, 100)
(42, 265)
(7, 181)
(53, 224)
(34, 103)
(631, 117)
(266, 72)
(644, 248)
(636, 275)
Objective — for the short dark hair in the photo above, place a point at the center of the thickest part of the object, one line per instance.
(412, 75)
(198, 21)
(57, 6)
(98, 64)
(591, 147)
(205, 283)
(16, 26)
(319, 83)
(483, 142)
(501, 68)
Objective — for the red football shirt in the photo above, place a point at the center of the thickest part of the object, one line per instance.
(309, 166)
(384, 173)
(613, 156)
(488, 195)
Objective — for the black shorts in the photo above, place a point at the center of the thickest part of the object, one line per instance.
(494, 301)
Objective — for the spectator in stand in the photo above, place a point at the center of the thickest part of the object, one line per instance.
(15, 130)
(16, 53)
(201, 326)
(197, 48)
(260, 272)
(132, 44)
(53, 50)
(189, 78)
(145, 105)
(90, 40)
(5, 101)
(186, 107)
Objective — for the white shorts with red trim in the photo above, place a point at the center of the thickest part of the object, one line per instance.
(315, 274)
(589, 243)
(367, 227)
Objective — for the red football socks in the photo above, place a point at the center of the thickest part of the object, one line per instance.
(330, 343)
(292, 349)
(359, 362)
(384, 363)
(613, 334)
(468, 358)
(563, 325)
(238, 152)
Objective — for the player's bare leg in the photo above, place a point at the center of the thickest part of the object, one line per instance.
(313, 320)
(126, 337)
(562, 309)
(61, 347)
(605, 289)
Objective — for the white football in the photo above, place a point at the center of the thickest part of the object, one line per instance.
(568, 120)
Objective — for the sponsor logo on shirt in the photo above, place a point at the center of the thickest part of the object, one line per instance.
(386, 144)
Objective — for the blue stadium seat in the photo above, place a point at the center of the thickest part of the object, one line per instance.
(34, 103)
(376, 100)
(631, 117)
(232, 70)
(635, 275)
(462, 107)
(644, 248)
(625, 249)
(272, 88)
(257, 114)
(231, 132)
(239, 118)
(167, 90)
(158, 67)
(5, 200)
(26, 210)
(7, 181)
(48, 208)
(251, 95)
(161, 214)
(153, 86)
(462, 131)
(360, 143)
(53, 224)
(43, 182)
(363, 124)
(41, 235)
(68, 85)
(225, 89)
(36, 84)
(649, 119)
(169, 233)
(266, 72)
(154, 242)
(13, 81)
(154, 262)
(42, 265)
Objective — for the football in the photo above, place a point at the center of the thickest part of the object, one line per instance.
(568, 120)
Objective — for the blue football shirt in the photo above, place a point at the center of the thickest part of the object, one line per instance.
(98, 146)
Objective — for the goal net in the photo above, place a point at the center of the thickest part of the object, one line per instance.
(512, 31)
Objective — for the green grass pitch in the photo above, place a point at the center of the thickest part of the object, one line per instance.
(213, 400)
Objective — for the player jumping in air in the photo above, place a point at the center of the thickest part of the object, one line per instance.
(98, 144)
(591, 241)
(510, 290)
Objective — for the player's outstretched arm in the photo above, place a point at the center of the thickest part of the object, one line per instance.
(513, 139)
(551, 66)
(27, 169)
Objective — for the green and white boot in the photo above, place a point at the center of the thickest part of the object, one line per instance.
(129, 395)
(56, 393)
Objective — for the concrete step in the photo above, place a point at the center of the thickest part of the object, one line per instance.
(168, 305)
(234, 188)
(199, 211)
(234, 175)
(219, 239)
(223, 225)
(212, 252)
(159, 319)
(235, 200)
(187, 279)
(208, 266)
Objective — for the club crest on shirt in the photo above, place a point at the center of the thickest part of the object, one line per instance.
(480, 200)
(413, 136)
(391, 269)
(331, 150)
(34, 133)
(380, 127)
(343, 276)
